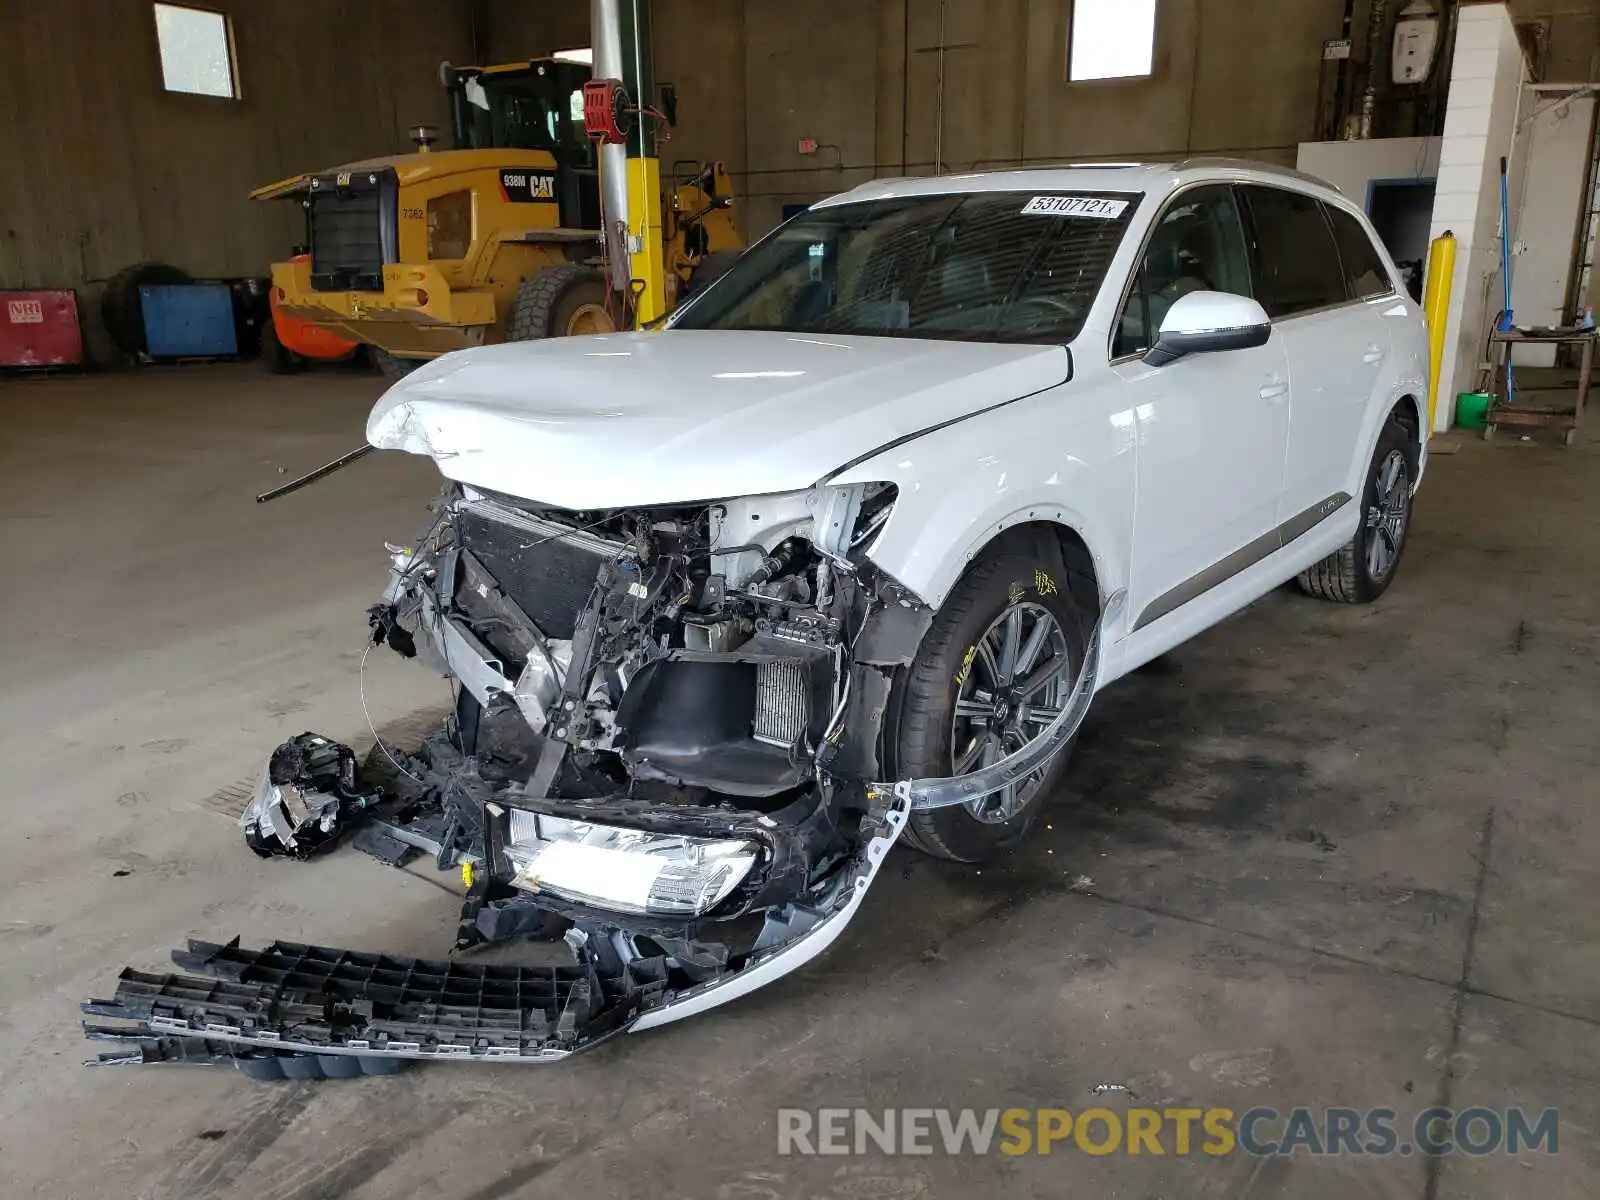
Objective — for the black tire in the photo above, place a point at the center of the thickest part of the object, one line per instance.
(392, 367)
(275, 356)
(710, 269)
(547, 302)
(120, 309)
(1347, 576)
(1025, 567)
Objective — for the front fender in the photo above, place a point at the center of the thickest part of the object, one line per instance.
(1053, 458)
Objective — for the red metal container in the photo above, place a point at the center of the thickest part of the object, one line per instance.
(40, 329)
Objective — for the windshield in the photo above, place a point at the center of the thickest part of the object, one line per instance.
(988, 267)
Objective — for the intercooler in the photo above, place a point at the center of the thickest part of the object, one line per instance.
(783, 702)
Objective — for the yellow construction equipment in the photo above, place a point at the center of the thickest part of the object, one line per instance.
(501, 238)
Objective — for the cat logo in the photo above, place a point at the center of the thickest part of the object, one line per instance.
(342, 179)
(528, 187)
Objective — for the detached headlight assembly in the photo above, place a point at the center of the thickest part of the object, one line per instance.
(624, 870)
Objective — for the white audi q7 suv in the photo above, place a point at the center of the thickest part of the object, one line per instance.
(843, 553)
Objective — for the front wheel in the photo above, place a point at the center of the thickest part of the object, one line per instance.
(1363, 568)
(392, 367)
(560, 302)
(993, 670)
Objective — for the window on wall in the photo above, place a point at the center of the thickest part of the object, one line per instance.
(196, 51)
(1111, 39)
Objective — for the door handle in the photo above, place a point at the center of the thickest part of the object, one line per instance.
(1273, 388)
(1373, 354)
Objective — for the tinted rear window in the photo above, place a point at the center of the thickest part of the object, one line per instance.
(977, 267)
(1364, 272)
(1296, 264)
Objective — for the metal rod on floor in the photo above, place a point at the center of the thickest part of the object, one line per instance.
(294, 485)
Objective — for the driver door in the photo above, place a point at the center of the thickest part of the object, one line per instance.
(1212, 429)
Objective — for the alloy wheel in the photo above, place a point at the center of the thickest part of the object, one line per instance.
(1387, 515)
(1012, 684)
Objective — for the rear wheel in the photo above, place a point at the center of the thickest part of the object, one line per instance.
(1361, 570)
(392, 367)
(560, 302)
(277, 357)
(993, 670)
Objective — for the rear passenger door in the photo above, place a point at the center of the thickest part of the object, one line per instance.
(1325, 306)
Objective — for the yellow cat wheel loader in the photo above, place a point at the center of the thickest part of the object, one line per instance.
(504, 236)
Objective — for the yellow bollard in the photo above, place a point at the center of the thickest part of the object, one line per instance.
(1436, 304)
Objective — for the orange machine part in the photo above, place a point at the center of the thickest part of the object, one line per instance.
(305, 337)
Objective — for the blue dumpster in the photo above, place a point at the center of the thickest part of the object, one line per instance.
(188, 320)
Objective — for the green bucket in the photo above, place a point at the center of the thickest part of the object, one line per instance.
(1471, 409)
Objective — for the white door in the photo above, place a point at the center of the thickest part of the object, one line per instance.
(1211, 428)
(1326, 287)
(1334, 360)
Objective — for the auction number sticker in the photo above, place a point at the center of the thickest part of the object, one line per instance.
(1076, 206)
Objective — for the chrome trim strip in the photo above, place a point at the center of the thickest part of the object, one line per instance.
(1382, 297)
(1244, 557)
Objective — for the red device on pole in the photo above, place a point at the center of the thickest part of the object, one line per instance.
(606, 111)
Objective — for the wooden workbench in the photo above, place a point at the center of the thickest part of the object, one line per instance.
(1536, 412)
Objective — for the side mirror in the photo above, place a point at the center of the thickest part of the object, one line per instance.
(1202, 322)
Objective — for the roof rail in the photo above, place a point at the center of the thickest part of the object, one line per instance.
(1214, 162)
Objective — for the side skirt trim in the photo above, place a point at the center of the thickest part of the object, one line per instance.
(1246, 556)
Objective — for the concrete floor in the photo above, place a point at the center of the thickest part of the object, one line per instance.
(1318, 856)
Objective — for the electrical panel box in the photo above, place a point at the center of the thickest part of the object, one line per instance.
(1416, 41)
(40, 329)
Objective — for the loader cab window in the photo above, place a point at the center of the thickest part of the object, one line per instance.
(536, 108)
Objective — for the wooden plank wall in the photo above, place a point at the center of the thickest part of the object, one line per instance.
(100, 167)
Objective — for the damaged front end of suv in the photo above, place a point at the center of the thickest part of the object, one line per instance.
(665, 750)
(729, 608)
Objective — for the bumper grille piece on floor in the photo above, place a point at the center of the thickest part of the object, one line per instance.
(323, 1001)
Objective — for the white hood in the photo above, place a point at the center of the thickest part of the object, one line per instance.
(625, 419)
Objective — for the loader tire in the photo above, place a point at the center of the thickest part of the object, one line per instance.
(392, 367)
(275, 356)
(558, 302)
